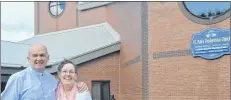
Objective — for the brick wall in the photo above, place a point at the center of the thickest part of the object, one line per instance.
(103, 68)
(176, 77)
(131, 82)
(182, 77)
(92, 16)
(45, 23)
(125, 18)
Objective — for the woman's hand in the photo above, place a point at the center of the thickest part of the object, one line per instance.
(82, 87)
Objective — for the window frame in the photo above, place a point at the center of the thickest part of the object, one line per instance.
(50, 13)
(203, 21)
(101, 82)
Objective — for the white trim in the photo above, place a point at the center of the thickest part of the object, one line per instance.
(90, 5)
(69, 30)
(10, 65)
(15, 42)
(110, 30)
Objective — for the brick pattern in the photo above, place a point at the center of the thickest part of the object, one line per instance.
(171, 73)
(198, 79)
(92, 16)
(118, 15)
(131, 82)
(125, 18)
(157, 55)
(144, 49)
(48, 23)
(103, 68)
(133, 61)
(170, 30)
(174, 74)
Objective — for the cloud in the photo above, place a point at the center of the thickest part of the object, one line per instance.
(17, 20)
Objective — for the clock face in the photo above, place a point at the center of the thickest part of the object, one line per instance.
(56, 8)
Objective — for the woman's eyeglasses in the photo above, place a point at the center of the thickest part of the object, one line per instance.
(65, 72)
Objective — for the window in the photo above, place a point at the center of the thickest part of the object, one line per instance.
(205, 12)
(56, 8)
(100, 90)
(3, 85)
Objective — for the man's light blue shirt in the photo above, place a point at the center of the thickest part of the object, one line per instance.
(30, 85)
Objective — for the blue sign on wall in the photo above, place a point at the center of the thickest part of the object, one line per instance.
(211, 43)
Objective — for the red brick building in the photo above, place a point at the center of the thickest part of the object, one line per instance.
(154, 61)
(176, 76)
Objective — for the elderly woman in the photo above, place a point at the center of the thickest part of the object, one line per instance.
(68, 88)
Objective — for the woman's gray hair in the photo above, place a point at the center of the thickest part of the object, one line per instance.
(64, 62)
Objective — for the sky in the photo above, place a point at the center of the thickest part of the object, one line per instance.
(198, 7)
(17, 21)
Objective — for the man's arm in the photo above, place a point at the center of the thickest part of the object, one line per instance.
(11, 89)
(82, 87)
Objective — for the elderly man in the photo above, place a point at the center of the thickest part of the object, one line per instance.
(33, 83)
